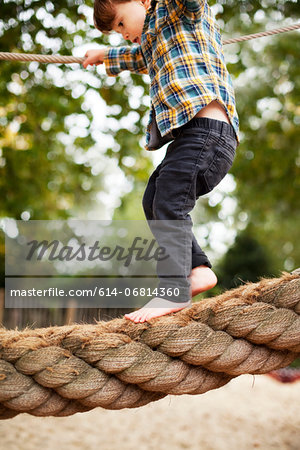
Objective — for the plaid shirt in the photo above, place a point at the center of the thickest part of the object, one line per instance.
(181, 50)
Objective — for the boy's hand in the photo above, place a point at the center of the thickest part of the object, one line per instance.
(93, 57)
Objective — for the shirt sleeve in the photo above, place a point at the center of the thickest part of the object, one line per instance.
(117, 59)
(196, 7)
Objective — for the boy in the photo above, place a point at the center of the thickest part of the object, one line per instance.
(178, 44)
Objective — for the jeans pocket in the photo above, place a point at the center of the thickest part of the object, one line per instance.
(216, 171)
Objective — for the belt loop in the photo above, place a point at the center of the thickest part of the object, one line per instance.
(223, 131)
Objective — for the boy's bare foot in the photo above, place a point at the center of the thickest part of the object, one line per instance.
(155, 308)
(202, 279)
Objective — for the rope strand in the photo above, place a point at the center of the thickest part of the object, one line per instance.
(7, 56)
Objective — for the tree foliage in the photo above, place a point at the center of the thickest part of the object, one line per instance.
(267, 84)
(47, 127)
(245, 260)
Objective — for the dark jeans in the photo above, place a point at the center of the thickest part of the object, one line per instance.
(195, 162)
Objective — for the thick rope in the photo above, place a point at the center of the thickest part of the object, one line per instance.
(59, 371)
(72, 59)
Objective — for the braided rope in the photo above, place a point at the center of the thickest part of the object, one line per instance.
(40, 58)
(72, 59)
(119, 364)
(263, 34)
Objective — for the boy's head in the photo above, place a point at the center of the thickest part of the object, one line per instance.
(126, 17)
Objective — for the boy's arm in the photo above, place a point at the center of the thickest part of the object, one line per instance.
(194, 6)
(117, 59)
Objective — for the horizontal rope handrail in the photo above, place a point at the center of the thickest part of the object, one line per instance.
(60, 59)
(262, 34)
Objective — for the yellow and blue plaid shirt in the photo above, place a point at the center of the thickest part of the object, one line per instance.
(181, 50)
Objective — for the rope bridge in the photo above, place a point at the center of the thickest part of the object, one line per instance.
(73, 59)
(59, 371)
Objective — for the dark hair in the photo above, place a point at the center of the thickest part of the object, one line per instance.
(105, 13)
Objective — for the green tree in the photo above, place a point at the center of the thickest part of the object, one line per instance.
(266, 169)
(38, 172)
(246, 260)
(47, 125)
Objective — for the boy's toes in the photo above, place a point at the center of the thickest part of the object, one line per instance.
(143, 317)
(151, 314)
(131, 316)
(148, 316)
(134, 316)
(138, 318)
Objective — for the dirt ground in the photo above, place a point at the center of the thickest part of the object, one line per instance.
(248, 413)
